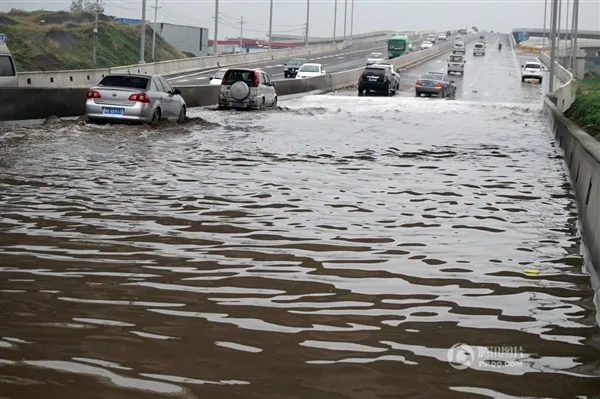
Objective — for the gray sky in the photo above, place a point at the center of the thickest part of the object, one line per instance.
(289, 16)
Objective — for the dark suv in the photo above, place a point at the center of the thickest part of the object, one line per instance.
(291, 68)
(378, 79)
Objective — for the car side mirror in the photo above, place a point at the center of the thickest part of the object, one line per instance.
(176, 92)
(522, 66)
(211, 78)
(284, 64)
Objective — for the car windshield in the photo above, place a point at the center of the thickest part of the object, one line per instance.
(478, 45)
(129, 82)
(458, 45)
(296, 62)
(376, 55)
(220, 74)
(309, 68)
(455, 58)
(397, 45)
(6, 66)
(427, 42)
(533, 66)
(239, 75)
(431, 76)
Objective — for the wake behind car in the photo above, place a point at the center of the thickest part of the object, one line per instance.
(134, 98)
(245, 88)
(292, 66)
(532, 70)
(378, 79)
(435, 83)
(375, 58)
(426, 45)
(456, 64)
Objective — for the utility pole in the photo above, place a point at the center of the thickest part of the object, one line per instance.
(544, 34)
(345, 17)
(575, 28)
(215, 46)
(567, 24)
(334, 20)
(553, 24)
(271, 25)
(143, 34)
(352, 21)
(559, 18)
(96, 32)
(156, 7)
(307, 20)
(241, 33)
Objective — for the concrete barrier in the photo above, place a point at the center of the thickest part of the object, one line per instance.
(566, 92)
(39, 103)
(582, 158)
(513, 41)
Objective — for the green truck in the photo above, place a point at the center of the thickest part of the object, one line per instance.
(398, 45)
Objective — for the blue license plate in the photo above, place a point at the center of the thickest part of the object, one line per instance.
(373, 78)
(427, 83)
(112, 111)
(236, 104)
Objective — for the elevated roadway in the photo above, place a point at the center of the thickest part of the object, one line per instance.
(349, 58)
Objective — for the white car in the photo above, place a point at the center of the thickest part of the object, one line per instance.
(456, 64)
(459, 48)
(532, 70)
(426, 44)
(310, 71)
(442, 37)
(479, 49)
(375, 58)
(218, 78)
(431, 38)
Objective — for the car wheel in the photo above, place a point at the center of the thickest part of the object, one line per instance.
(540, 80)
(182, 115)
(522, 80)
(262, 106)
(156, 115)
(443, 93)
(361, 93)
(275, 102)
(417, 94)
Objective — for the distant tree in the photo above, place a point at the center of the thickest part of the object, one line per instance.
(87, 5)
(76, 5)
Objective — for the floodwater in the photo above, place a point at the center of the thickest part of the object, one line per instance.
(337, 248)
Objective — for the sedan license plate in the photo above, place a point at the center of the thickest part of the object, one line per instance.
(112, 111)
(427, 83)
(372, 78)
(238, 104)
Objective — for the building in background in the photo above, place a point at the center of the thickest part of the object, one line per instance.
(190, 39)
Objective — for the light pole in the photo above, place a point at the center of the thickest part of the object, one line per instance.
(345, 17)
(96, 31)
(553, 24)
(575, 28)
(241, 33)
(215, 45)
(544, 34)
(307, 20)
(352, 21)
(143, 33)
(270, 24)
(334, 20)
(156, 7)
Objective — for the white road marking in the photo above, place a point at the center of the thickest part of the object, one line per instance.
(183, 80)
(200, 78)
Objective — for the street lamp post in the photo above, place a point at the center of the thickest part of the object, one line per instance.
(553, 24)
(334, 20)
(143, 33)
(345, 17)
(575, 28)
(215, 45)
(307, 20)
(352, 21)
(544, 34)
(270, 25)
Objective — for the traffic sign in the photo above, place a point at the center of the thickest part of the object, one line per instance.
(3, 38)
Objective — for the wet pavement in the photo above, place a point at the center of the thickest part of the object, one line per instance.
(335, 248)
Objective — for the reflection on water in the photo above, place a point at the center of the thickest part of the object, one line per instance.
(337, 249)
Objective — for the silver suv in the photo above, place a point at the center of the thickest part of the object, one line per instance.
(247, 88)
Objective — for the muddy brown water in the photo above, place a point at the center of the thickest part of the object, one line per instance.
(337, 249)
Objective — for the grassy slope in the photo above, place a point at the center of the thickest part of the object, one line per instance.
(65, 41)
(586, 108)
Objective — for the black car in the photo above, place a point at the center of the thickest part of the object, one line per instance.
(379, 79)
(291, 68)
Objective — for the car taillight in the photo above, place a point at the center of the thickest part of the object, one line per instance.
(93, 94)
(438, 84)
(139, 97)
(255, 79)
(418, 83)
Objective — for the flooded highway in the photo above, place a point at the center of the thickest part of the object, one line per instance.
(340, 247)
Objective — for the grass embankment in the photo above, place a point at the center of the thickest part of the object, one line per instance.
(586, 108)
(50, 41)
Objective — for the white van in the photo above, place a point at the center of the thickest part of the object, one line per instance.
(8, 70)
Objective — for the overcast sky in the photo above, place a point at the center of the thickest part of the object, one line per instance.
(289, 16)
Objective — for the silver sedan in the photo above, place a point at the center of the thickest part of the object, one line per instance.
(134, 98)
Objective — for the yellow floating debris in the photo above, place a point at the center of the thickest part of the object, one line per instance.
(531, 271)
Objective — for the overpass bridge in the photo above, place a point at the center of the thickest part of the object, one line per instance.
(522, 34)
